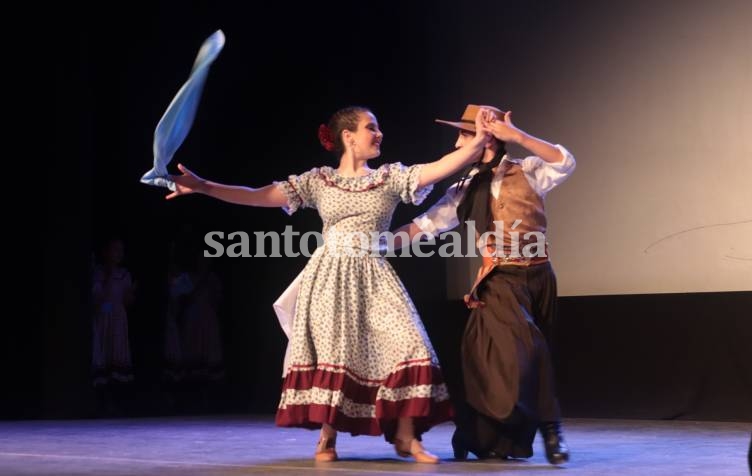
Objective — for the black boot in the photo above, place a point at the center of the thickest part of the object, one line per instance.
(556, 450)
(460, 451)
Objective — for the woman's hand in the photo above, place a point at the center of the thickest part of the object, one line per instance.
(186, 183)
(504, 130)
(483, 120)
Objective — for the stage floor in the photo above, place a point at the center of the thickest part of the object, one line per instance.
(237, 445)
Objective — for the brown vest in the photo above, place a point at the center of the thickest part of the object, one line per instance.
(518, 201)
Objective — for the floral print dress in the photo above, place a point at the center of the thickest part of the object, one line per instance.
(359, 356)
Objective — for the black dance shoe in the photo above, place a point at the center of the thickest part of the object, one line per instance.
(458, 446)
(556, 449)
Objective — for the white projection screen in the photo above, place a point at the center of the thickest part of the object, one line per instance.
(654, 99)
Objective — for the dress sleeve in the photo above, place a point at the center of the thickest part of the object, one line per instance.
(301, 190)
(403, 181)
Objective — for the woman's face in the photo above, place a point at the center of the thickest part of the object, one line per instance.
(366, 140)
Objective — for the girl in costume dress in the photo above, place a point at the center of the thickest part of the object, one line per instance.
(112, 292)
(359, 359)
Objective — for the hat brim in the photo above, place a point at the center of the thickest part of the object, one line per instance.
(465, 126)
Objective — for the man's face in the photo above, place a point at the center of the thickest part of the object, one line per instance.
(463, 138)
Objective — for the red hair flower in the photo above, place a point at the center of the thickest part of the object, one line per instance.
(326, 138)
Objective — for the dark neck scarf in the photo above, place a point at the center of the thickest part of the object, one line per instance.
(475, 205)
